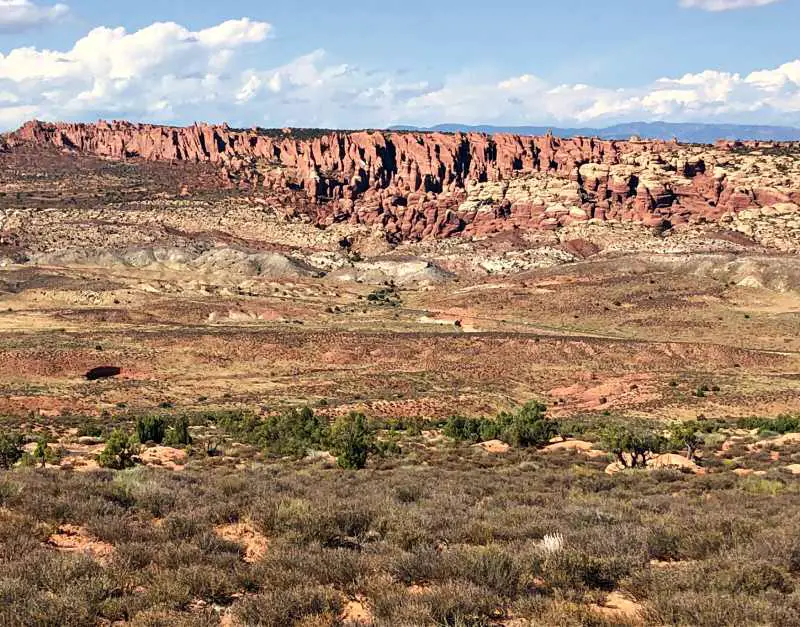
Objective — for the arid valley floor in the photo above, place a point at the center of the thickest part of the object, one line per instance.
(226, 302)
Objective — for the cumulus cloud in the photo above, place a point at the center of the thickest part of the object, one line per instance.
(168, 73)
(159, 69)
(20, 15)
(767, 96)
(725, 5)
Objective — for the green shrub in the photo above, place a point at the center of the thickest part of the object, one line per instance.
(352, 441)
(573, 570)
(42, 452)
(750, 579)
(286, 565)
(685, 435)
(458, 604)
(632, 445)
(206, 582)
(413, 492)
(178, 433)
(151, 429)
(387, 448)
(528, 427)
(10, 449)
(571, 429)
(414, 427)
(464, 429)
(488, 567)
(328, 523)
(701, 391)
(422, 564)
(780, 425)
(385, 296)
(760, 485)
(793, 558)
(90, 429)
(293, 432)
(119, 451)
(243, 426)
(663, 543)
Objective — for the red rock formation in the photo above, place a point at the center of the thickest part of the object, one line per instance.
(409, 183)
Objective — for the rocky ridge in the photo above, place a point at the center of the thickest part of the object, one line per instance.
(413, 186)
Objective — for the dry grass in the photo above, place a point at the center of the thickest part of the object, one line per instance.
(471, 540)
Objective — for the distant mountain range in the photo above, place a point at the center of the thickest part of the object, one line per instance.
(687, 133)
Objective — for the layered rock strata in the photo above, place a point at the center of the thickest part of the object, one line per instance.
(419, 185)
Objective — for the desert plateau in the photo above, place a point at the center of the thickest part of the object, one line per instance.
(411, 314)
(570, 367)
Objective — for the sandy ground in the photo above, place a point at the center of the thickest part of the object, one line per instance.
(255, 543)
(648, 360)
(73, 539)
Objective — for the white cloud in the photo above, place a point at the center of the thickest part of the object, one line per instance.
(787, 76)
(167, 73)
(20, 15)
(763, 97)
(725, 5)
(111, 70)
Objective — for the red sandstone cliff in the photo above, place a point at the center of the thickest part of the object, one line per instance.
(414, 184)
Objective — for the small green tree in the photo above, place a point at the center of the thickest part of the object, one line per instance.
(119, 452)
(41, 452)
(685, 435)
(463, 429)
(528, 427)
(178, 433)
(490, 430)
(293, 432)
(90, 429)
(10, 449)
(414, 427)
(632, 446)
(352, 441)
(151, 429)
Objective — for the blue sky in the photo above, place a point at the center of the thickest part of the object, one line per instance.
(370, 63)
